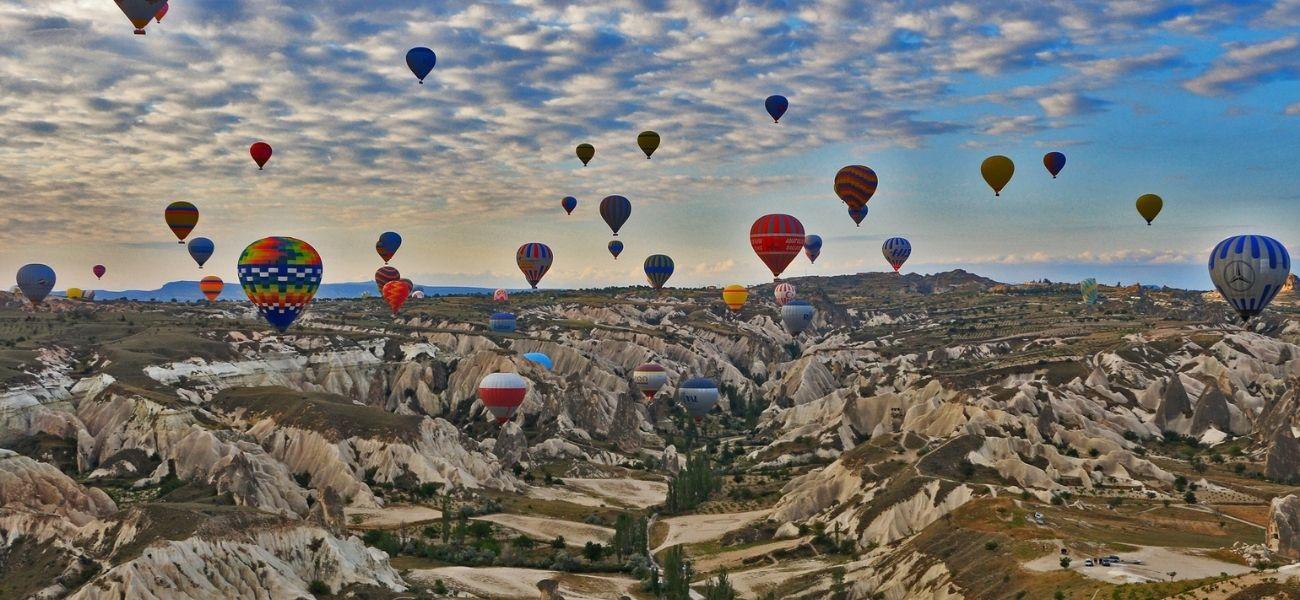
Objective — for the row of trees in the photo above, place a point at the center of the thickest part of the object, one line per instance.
(693, 485)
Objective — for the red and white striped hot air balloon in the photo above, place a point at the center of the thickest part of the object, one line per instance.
(777, 239)
(501, 394)
(649, 378)
(784, 292)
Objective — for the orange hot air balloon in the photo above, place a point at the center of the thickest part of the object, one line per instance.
(211, 287)
(734, 296)
(396, 293)
(181, 217)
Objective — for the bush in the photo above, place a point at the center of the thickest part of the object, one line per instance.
(990, 545)
(318, 588)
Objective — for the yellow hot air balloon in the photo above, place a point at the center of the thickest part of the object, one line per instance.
(75, 293)
(585, 152)
(1149, 206)
(734, 296)
(648, 141)
(997, 172)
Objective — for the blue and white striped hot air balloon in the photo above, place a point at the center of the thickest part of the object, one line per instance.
(502, 322)
(896, 251)
(1249, 270)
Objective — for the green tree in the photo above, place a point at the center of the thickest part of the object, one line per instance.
(677, 575)
(719, 588)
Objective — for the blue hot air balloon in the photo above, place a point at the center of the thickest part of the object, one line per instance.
(502, 322)
(568, 204)
(386, 247)
(201, 249)
(812, 246)
(421, 61)
(797, 315)
(699, 396)
(540, 359)
(776, 106)
(858, 214)
(615, 248)
(1054, 161)
(35, 281)
(658, 268)
(1249, 270)
(615, 210)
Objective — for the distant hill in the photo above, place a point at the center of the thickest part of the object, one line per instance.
(189, 290)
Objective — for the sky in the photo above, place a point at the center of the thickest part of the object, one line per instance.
(1195, 100)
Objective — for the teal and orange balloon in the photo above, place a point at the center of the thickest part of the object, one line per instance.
(280, 275)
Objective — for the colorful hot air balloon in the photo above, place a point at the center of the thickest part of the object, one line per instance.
(858, 214)
(99, 271)
(796, 315)
(162, 12)
(395, 294)
(140, 12)
(383, 275)
(181, 217)
(201, 250)
(615, 210)
(658, 268)
(261, 152)
(501, 394)
(896, 251)
(855, 185)
(585, 153)
(1149, 206)
(648, 141)
(211, 287)
(421, 61)
(501, 295)
(1054, 161)
(777, 239)
(1249, 270)
(734, 296)
(280, 275)
(73, 294)
(997, 171)
(649, 378)
(35, 281)
(1088, 289)
(503, 322)
(812, 247)
(541, 359)
(387, 245)
(699, 396)
(615, 248)
(534, 259)
(776, 106)
(569, 203)
(784, 293)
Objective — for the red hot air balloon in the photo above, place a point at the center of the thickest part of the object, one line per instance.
(99, 271)
(534, 260)
(384, 275)
(501, 295)
(501, 394)
(162, 12)
(211, 287)
(777, 239)
(261, 152)
(395, 294)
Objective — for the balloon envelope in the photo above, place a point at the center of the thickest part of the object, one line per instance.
(1088, 289)
(280, 275)
(35, 281)
(201, 250)
(1149, 206)
(383, 275)
(99, 271)
(73, 294)
(534, 260)
(421, 61)
(699, 396)
(261, 152)
(181, 217)
(540, 359)
(1054, 161)
(211, 287)
(501, 394)
(585, 153)
(139, 12)
(796, 315)
(648, 141)
(734, 296)
(387, 245)
(777, 239)
(615, 210)
(812, 247)
(997, 171)
(896, 251)
(784, 293)
(162, 12)
(395, 293)
(500, 295)
(615, 248)
(658, 268)
(503, 322)
(649, 378)
(569, 203)
(776, 106)
(858, 214)
(1248, 271)
(855, 185)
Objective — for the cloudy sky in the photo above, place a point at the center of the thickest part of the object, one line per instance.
(1195, 100)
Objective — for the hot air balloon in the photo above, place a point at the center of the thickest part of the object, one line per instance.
(541, 359)
(648, 141)
(181, 217)
(615, 210)
(658, 268)
(395, 294)
(615, 248)
(997, 172)
(35, 281)
(784, 293)
(1088, 289)
(211, 287)
(1149, 206)
(734, 296)
(858, 214)
(421, 61)
(649, 378)
(585, 152)
(569, 203)
(776, 106)
(812, 247)
(99, 271)
(162, 12)
(140, 12)
(855, 185)
(777, 239)
(1054, 161)
(503, 322)
(261, 152)
(896, 251)
(383, 275)
(699, 396)
(201, 250)
(73, 294)
(1249, 270)
(501, 295)
(280, 275)
(796, 315)
(501, 394)
(387, 245)
(534, 259)
(417, 295)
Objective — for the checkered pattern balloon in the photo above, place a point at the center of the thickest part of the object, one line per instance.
(280, 275)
